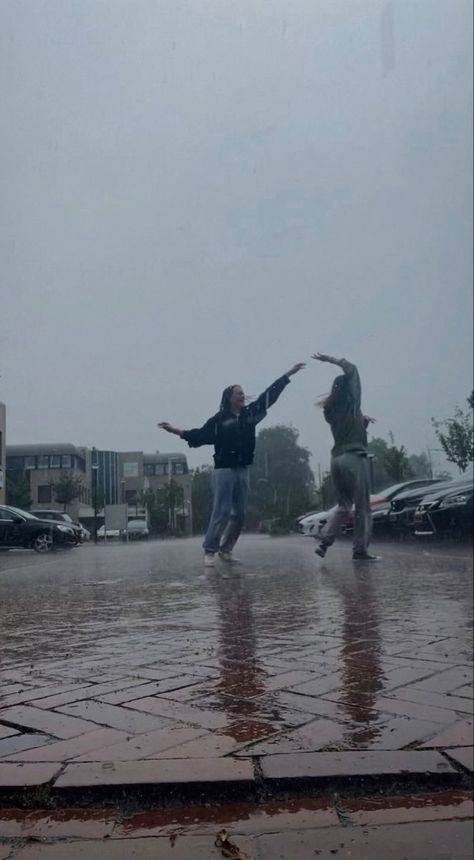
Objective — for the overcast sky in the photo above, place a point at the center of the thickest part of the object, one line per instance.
(203, 192)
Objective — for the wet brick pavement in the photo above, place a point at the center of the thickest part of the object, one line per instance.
(132, 665)
(135, 653)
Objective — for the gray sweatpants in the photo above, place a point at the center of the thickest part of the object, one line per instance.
(350, 477)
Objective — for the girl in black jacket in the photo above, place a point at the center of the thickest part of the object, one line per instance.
(232, 432)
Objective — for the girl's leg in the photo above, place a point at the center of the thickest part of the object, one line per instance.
(223, 491)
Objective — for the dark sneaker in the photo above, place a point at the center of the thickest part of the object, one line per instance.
(365, 556)
(321, 550)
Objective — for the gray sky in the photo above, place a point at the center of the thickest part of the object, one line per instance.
(203, 192)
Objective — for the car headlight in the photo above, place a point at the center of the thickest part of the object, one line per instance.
(450, 501)
(66, 530)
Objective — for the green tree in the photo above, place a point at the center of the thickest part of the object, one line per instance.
(456, 436)
(201, 495)
(163, 506)
(420, 465)
(378, 447)
(396, 463)
(281, 480)
(67, 488)
(17, 490)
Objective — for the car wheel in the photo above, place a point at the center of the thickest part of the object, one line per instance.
(43, 542)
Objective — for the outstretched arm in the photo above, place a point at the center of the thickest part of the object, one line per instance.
(204, 435)
(258, 409)
(350, 370)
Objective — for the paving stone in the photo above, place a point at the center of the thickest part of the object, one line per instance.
(463, 756)
(185, 714)
(163, 771)
(16, 744)
(459, 734)
(30, 693)
(311, 705)
(74, 747)
(145, 746)
(212, 745)
(447, 681)
(113, 716)
(59, 725)
(466, 692)
(57, 824)
(318, 686)
(5, 852)
(321, 764)
(440, 806)
(184, 848)
(445, 840)
(152, 688)
(313, 736)
(244, 818)
(435, 700)
(405, 708)
(14, 775)
(7, 732)
(90, 691)
(395, 734)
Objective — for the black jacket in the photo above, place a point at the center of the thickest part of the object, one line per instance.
(234, 437)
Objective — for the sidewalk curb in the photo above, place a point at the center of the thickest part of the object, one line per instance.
(269, 781)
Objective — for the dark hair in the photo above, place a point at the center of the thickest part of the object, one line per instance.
(337, 401)
(225, 399)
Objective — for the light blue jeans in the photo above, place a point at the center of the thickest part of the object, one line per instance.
(231, 487)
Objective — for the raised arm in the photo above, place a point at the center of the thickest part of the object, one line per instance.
(259, 408)
(350, 370)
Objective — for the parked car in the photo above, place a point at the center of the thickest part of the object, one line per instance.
(312, 525)
(404, 505)
(381, 503)
(61, 517)
(446, 512)
(138, 530)
(85, 533)
(109, 534)
(21, 529)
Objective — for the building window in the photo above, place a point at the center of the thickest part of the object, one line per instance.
(66, 461)
(30, 462)
(55, 462)
(45, 493)
(179, 468)
(161, 469)
(149, 469)
(43, 461)
(15, 464)
(131, 497)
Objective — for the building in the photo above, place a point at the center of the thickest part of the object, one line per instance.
(120, 477)
(3, 429)
(141, 472)
(41, 466)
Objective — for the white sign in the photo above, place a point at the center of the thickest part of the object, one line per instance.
(130, 470)
(116, 517)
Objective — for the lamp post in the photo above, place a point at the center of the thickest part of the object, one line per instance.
(95, 469)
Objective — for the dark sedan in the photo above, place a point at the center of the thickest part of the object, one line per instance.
(404, 505)
(448, 512)
(20, 529)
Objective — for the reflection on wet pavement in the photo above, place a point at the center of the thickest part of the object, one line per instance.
(283, 655)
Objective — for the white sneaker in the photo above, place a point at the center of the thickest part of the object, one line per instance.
(228, 557)
(209, 560)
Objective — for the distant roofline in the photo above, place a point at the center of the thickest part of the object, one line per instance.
(43, 448)
(164, 457)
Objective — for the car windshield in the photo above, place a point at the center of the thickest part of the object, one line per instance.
(141, 524)
(21, 513)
